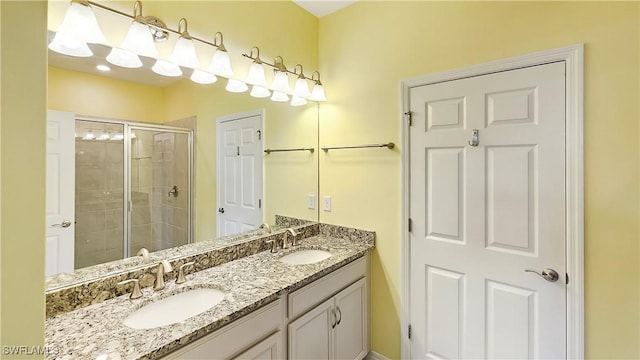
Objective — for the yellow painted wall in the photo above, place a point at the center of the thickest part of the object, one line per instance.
(368, 48)
(22, 168)
(100, 96)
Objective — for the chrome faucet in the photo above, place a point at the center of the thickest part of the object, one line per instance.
(266, 227)
(293, 238)
(163, 267)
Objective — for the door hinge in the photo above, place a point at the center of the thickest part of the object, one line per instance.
(259, 203)
(408, 116)
(409, 332)
(566, 278)
(259, 134)
(238, 151)
(410, 225)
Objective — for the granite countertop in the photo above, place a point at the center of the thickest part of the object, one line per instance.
(97, 331)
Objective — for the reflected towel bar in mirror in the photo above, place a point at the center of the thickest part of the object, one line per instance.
(387, 145)
(269, 151)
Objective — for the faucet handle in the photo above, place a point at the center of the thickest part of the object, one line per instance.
(136, 293)
(294, 241)
(181, 277)
(274, 245)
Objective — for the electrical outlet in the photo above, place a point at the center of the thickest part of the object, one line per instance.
(311, 199)
(326, 203)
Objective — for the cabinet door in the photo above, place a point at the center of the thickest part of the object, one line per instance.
(310, 336)
(351, 337)
(268, 349)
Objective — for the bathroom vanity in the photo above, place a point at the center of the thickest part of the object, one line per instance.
(270, 309)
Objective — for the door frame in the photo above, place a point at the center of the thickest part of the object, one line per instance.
(574, 205)
(232, 117)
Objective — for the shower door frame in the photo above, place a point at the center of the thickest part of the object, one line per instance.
(126, 193)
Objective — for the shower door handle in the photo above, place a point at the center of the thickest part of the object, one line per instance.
(221, 210)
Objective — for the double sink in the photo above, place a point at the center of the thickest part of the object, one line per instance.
(181, 306)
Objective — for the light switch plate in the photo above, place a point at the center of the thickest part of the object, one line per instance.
(326, 203)
(311, 200)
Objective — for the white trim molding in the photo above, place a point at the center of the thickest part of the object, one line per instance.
(572, 56)
(372, 355)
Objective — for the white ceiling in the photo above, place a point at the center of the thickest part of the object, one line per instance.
(321, 8)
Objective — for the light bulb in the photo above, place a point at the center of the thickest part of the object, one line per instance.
(139, 40)
(298, 101)
(67, 45)
(166, 68)
(317, 94)
(80, 23)
(221, 64)
(103, 136)
(281, 82)
(184, 53)
(203, 77)
(279, 96)
(236, 86)
(301, 89)
(124, 58)
(117, 137)
(89, 136)
(260, 92)
(132, 134)
(256, 75)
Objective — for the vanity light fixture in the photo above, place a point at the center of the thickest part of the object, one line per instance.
(301, 88)
(280, 77)
(184, 53)
(78, 28)
(203, 77)
(256, 70)
(117, 137)
(298, 101)
(166, 68)
(317, 94)
(67, 45)
(139, 39)
(124, 58)
(236, 86)
(260, 92)
(103, 136)
(279, 96)
(89, 135)
(220, 62)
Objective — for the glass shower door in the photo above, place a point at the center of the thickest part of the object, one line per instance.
(159, 195)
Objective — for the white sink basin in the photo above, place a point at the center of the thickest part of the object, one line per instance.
(173, 309)
(303, 257)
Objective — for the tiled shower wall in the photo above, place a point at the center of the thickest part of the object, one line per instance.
(99, 195)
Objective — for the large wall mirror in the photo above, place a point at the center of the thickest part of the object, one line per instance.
(159, 162)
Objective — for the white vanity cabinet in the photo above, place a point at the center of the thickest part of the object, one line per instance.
(337, 328)
(259, 335)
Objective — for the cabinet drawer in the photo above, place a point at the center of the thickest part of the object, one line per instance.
(235, 337)
(320, 290)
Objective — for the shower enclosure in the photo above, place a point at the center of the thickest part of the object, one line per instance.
(133, 189)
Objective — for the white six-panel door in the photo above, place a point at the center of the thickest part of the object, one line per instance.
(240, 166)
(484, 214)
(60, 224)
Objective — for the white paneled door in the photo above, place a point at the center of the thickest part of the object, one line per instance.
(240, 166)
(60, 224)
(486, 208)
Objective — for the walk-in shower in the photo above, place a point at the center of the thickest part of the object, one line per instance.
(133, 189)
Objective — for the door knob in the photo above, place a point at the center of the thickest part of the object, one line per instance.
(221, 210)
(548, 274)
(64, 224)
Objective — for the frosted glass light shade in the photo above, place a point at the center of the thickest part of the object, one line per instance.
(301, 89)
(66, 45)
(89, 136)
(298, 101)
(124, 58)
(256, 75)
(203, 77)
(221, 64)
(279, 96)
(166, 68)
(139, 40)
(80, 23)
(184, 53)
(236, 86)
(317, 94)
(281, 82)
(260, 92)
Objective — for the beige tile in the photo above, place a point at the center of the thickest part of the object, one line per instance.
(114, 239)
(114, 219)
(91, 221)
(114, 152)
(140, 215)
(91, 177)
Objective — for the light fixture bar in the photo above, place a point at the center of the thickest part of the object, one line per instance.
(279, 65)
(159, 25)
